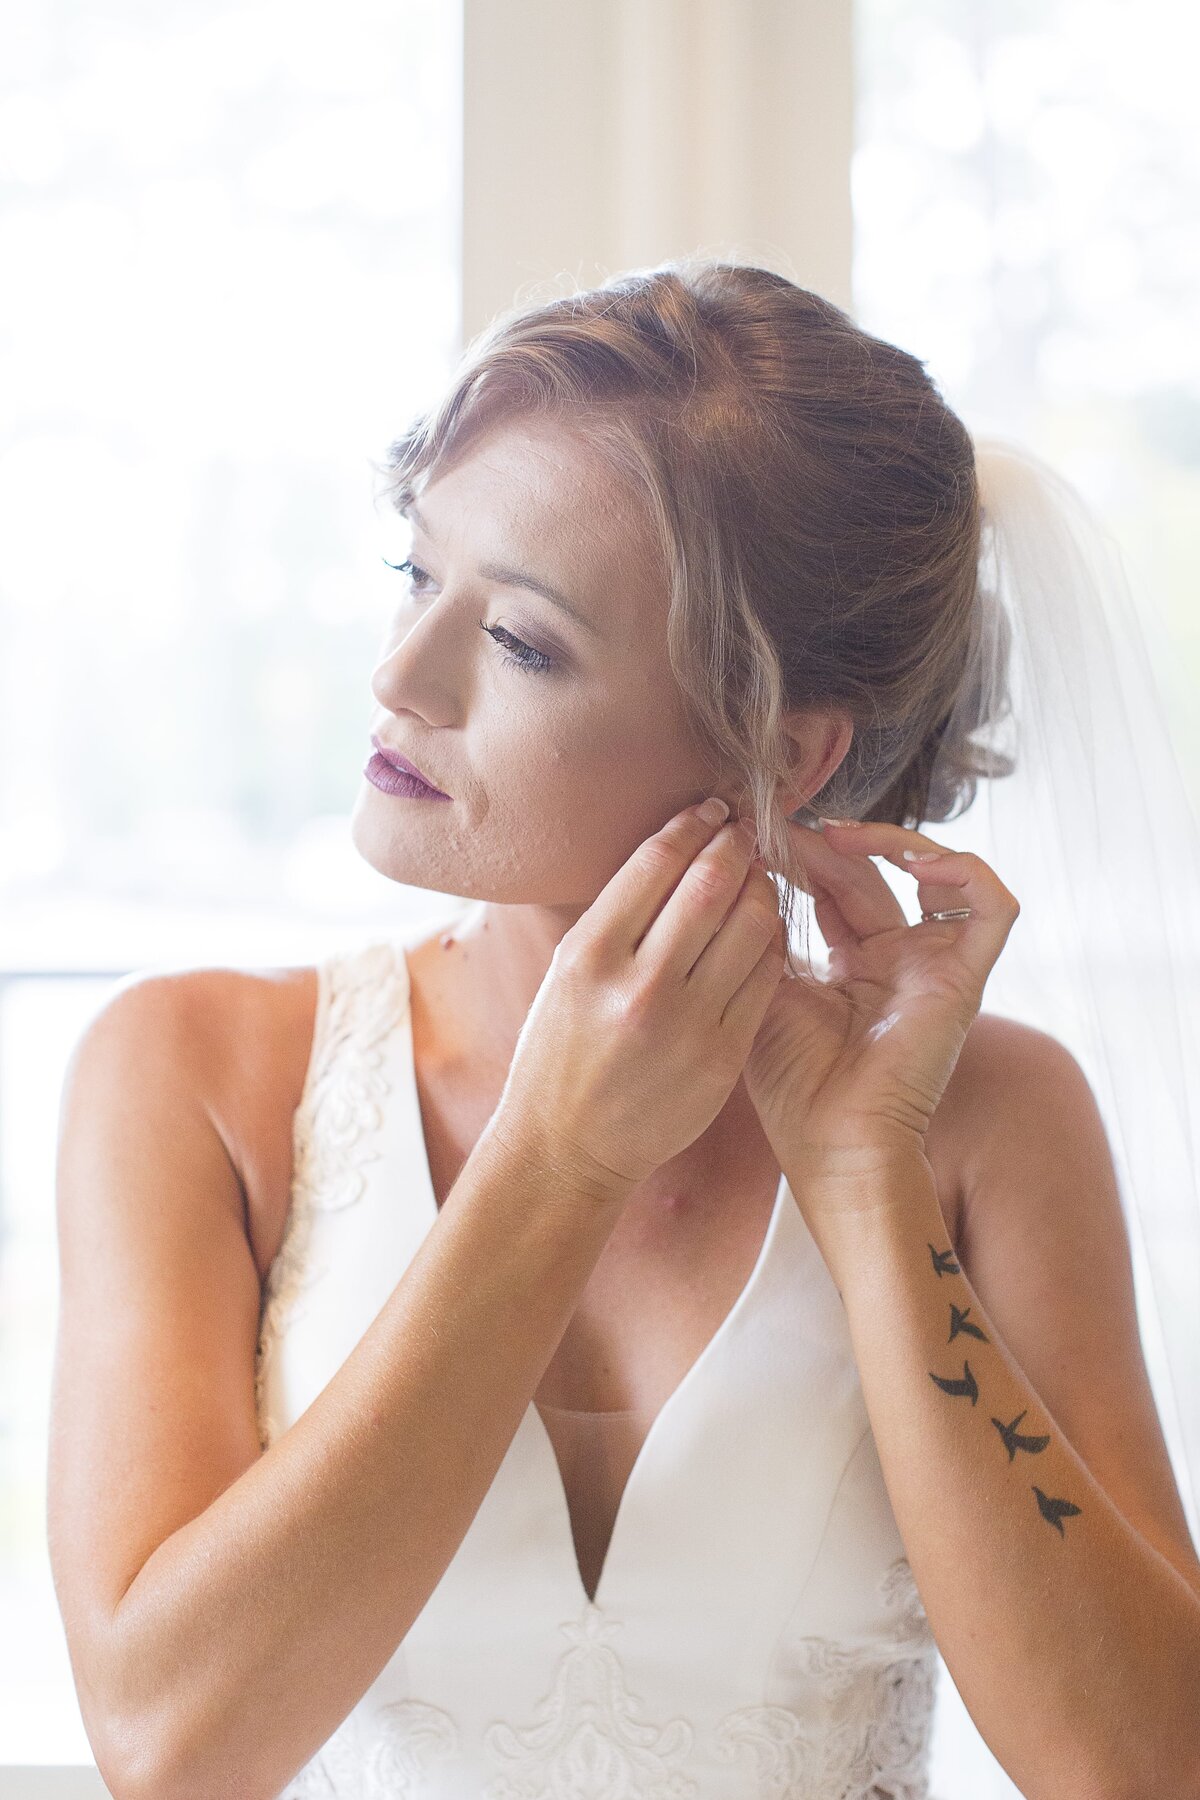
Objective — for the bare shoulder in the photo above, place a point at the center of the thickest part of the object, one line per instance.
(997, 1054)
(993, 1046)
(1023, 1117)
(250, 1033)
(1003, 1063)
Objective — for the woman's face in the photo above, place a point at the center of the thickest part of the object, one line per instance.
(557, 769)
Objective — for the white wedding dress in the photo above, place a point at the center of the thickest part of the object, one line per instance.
(755, 1630)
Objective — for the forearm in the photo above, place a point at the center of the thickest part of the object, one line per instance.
(257, 1627)
(1074, 1644)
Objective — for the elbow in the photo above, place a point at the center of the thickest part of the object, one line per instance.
(139, 1760)
(126, 1766)
(151, 1768)
(134, 1760)
(135, 1725)
(124, 1746)
(155, 1778)
(145, 1772)
(144, 1759)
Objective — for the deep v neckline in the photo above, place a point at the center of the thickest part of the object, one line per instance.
(661, 1422)
(658, 1427)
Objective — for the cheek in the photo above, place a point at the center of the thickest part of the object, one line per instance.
(549, 749)
(584, 782)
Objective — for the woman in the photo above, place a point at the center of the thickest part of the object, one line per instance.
(649, 1375)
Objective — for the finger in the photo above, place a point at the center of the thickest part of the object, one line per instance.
(862, 893)
(833, 924)
(745, 1011)
(952, 878)
(953, 869)
(732, 952)
(697, 904)
(626, 906)
(955, 878)
(960, 878)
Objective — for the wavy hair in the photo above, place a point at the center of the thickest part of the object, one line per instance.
(818, 511)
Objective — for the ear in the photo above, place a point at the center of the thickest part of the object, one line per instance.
(821, 740)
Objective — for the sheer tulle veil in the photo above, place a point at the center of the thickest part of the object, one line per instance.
(1094, 832)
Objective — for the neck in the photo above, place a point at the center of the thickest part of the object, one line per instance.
(485, 976)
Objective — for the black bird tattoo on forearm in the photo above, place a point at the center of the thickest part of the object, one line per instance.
(965, 1386)
(958, 1322)
(943, 1261)
(1053, 1510)
(1013, 1439)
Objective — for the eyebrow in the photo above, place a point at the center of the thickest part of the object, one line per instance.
(513, 577)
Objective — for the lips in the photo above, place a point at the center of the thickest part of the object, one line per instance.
(401, 762)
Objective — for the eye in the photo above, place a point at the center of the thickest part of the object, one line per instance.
(521, 654)
(417, 576)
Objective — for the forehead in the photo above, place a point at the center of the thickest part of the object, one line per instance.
(539, 490)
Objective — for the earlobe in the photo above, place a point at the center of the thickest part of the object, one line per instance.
(822, 739)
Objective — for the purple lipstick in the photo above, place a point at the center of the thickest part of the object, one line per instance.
(393, 773)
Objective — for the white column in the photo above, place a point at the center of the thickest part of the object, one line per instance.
(602, 135)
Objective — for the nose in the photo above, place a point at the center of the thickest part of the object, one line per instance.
(413, 678)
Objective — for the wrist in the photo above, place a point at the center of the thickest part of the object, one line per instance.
(861, 1213)
(861, 1177)
(534, 1152)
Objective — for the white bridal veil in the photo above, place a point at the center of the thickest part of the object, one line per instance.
(1094, 833)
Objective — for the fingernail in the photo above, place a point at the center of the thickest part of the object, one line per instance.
(713, 811)
(921, 855)
(825, 821)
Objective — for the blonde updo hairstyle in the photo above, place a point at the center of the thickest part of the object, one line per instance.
(817, 505)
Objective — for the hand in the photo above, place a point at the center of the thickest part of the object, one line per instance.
(846, 1073)
(640, 1030)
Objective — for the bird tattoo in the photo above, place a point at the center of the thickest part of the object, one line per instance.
(1054, 1510)
(1014, 1440)
(965, 1386)
(959, 1322)
(943, 1261)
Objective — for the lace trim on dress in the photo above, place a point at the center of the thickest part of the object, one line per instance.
(864, 1734)
(340, 1108)
(868, 1736)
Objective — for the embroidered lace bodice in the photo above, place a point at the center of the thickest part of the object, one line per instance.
(755, 1631)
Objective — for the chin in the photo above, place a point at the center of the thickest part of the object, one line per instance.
(419, 855)
(412, 858)
(390, 847)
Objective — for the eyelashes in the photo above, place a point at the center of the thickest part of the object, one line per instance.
(523, 655)
(515, 650)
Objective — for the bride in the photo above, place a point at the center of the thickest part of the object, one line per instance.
(594, 1349)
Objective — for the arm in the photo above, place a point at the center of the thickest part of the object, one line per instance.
(221, 1645)
(1074, 1642)
(310, 1569)
(219, 1651)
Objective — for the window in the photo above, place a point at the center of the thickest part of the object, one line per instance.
(1025, 188)
(236, 238)
(231, 242)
